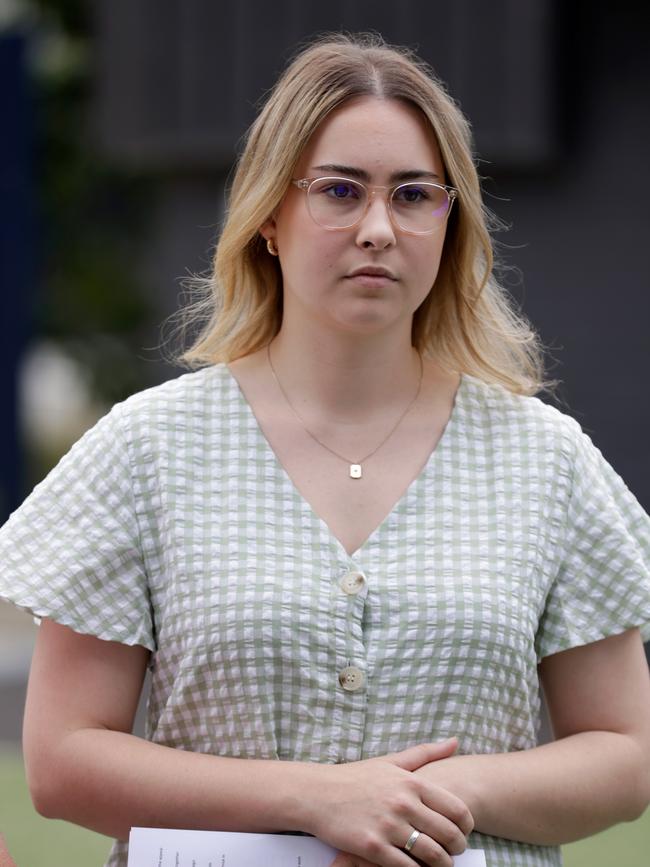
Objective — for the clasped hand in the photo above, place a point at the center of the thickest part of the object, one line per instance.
(369, 810)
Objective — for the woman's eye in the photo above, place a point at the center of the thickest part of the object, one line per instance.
(411, 195)
(341, 191)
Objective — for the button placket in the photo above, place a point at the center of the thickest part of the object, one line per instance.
(352, 592)
(349, 589)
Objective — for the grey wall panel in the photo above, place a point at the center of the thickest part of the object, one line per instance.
(178, 80)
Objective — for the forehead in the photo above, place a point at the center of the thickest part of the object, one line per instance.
(378, 135)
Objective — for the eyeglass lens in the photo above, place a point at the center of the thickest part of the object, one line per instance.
(336, 203)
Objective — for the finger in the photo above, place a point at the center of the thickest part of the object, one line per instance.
(429, 852)
(387, 855)
(439, 828)
(414, 757)
(443, 803)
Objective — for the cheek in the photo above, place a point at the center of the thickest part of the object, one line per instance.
(425, 261)
(309, 254)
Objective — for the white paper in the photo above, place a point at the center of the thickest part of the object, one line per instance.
(163, 847)
(470, 858)
(155, 847)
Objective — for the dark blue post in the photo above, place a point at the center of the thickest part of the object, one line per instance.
(17, 253)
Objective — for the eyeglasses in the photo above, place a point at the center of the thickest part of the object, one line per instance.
(416, 207)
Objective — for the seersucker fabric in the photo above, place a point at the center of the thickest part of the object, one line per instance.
(172, 525)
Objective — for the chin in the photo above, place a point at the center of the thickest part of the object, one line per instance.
(373, 314)
(367, 324)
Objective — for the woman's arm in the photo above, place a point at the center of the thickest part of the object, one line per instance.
(5, 858)
(596, 773)
(83, 765)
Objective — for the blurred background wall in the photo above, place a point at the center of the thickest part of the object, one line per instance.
(121, 122)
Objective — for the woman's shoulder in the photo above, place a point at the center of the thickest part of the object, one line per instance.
(539, 442)
(188, 390)
(178, 409)
(493, 407)
(196, 394)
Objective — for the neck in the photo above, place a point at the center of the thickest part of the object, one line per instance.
(350, 377)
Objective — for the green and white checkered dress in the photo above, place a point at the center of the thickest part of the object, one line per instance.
(171, 524)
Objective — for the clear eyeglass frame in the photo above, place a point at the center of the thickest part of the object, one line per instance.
(305, 184)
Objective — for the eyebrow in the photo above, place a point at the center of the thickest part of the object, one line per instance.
(362, 175)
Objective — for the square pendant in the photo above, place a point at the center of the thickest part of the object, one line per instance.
(355, 471)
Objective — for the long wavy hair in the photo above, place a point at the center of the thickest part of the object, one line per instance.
(467, 322)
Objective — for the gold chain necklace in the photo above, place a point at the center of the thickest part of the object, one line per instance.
(355, 467)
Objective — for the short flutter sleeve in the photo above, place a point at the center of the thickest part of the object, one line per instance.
(602, 584)
(72, 551)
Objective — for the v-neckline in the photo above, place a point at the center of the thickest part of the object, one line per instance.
(306, 507)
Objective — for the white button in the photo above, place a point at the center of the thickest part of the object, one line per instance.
(351, 678)
(352, 582)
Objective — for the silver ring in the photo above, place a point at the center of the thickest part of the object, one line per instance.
(410, 843)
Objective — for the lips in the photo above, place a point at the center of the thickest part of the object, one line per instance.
(372, 271)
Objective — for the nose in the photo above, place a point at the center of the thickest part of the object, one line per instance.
(376, 228)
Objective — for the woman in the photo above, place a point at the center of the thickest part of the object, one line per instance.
(353, 541)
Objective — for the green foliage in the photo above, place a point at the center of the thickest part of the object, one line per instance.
(93, 216)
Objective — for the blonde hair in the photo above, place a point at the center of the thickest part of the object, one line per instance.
(467, 321)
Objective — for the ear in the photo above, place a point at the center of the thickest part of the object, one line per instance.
(268, 229)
